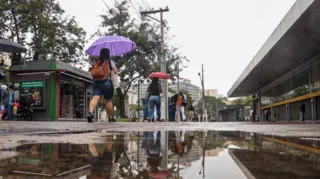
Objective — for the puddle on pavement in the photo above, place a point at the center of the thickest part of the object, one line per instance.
(170, 154)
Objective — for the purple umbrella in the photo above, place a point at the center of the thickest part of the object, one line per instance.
(117, 45)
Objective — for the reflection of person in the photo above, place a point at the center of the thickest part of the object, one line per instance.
(152, 144)
(154, 90)
(177, 143)
(100, 158)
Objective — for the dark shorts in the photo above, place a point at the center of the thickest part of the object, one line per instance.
(104, 88)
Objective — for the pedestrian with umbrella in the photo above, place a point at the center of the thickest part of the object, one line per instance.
(104, 71)
(154, 90)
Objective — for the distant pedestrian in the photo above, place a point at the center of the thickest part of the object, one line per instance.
(102, 84)
(7, 102)
(274, 116)
(179, 101)
(302, 111)
(253, 116)
(191, 113)
(266, 113)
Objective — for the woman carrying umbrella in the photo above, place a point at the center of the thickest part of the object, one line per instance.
(102, 84)
(104, 71)
(154, 90)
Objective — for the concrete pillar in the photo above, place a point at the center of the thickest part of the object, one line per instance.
(259, 106)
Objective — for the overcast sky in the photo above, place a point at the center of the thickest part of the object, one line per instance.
(224, 35)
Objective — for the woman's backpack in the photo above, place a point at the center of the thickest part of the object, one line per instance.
(100, 72)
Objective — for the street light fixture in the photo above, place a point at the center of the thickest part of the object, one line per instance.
(203, 100)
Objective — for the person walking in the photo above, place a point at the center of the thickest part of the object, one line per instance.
(191, 113)
(7, 102)
(302, 111)
(266, 113)
(154, 90)
(102, 84)
(178, 100)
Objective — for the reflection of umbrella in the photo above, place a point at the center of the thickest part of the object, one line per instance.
(160, 75)
(11, 47)
(116, 44)
(161, 174)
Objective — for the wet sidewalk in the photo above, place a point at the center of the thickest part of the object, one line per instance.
(160, 154)
(21, 127)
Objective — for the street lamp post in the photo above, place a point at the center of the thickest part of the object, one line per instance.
(203, 100)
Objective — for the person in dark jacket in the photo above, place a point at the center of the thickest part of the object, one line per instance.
(302, 111)
(180, 102)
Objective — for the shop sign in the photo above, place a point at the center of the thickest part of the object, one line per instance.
(32, 84)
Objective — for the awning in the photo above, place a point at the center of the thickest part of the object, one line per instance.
(73, 76)
(295, 41)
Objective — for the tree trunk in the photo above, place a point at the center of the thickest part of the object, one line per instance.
(15, 23)
(36, 56)
(122, 109)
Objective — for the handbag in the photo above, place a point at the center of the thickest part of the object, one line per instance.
(113, 77)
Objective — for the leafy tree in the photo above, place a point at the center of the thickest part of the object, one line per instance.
(211, 105)
(248, 101)
(11, 19)
(240, 101)
(53, 34)
(237, 101)
(144, 60)
(170, 90)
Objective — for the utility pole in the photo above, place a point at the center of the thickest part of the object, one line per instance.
(162, 54)
(178, 85)
(203, 95)
(163, 69)
(138, 99)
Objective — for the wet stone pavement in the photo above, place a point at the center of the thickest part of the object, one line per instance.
(158, 150)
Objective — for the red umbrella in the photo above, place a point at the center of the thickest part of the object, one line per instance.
(160, 75)
(160, 174)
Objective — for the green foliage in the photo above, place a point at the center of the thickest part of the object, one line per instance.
(211, 104)
(237, 101)
(240, 101)
(53, 34)
(170, 90)
(248, 101)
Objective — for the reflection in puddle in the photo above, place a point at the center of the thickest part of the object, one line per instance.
(170, 154)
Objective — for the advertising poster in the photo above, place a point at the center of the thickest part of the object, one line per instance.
(33, 90)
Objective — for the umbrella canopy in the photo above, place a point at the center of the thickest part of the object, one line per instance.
(11, 47)
(117, 45)
(160, 75)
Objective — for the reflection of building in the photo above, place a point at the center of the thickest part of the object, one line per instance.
(279, 80)
(47, 160)
(57, 89)
(211, 92)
